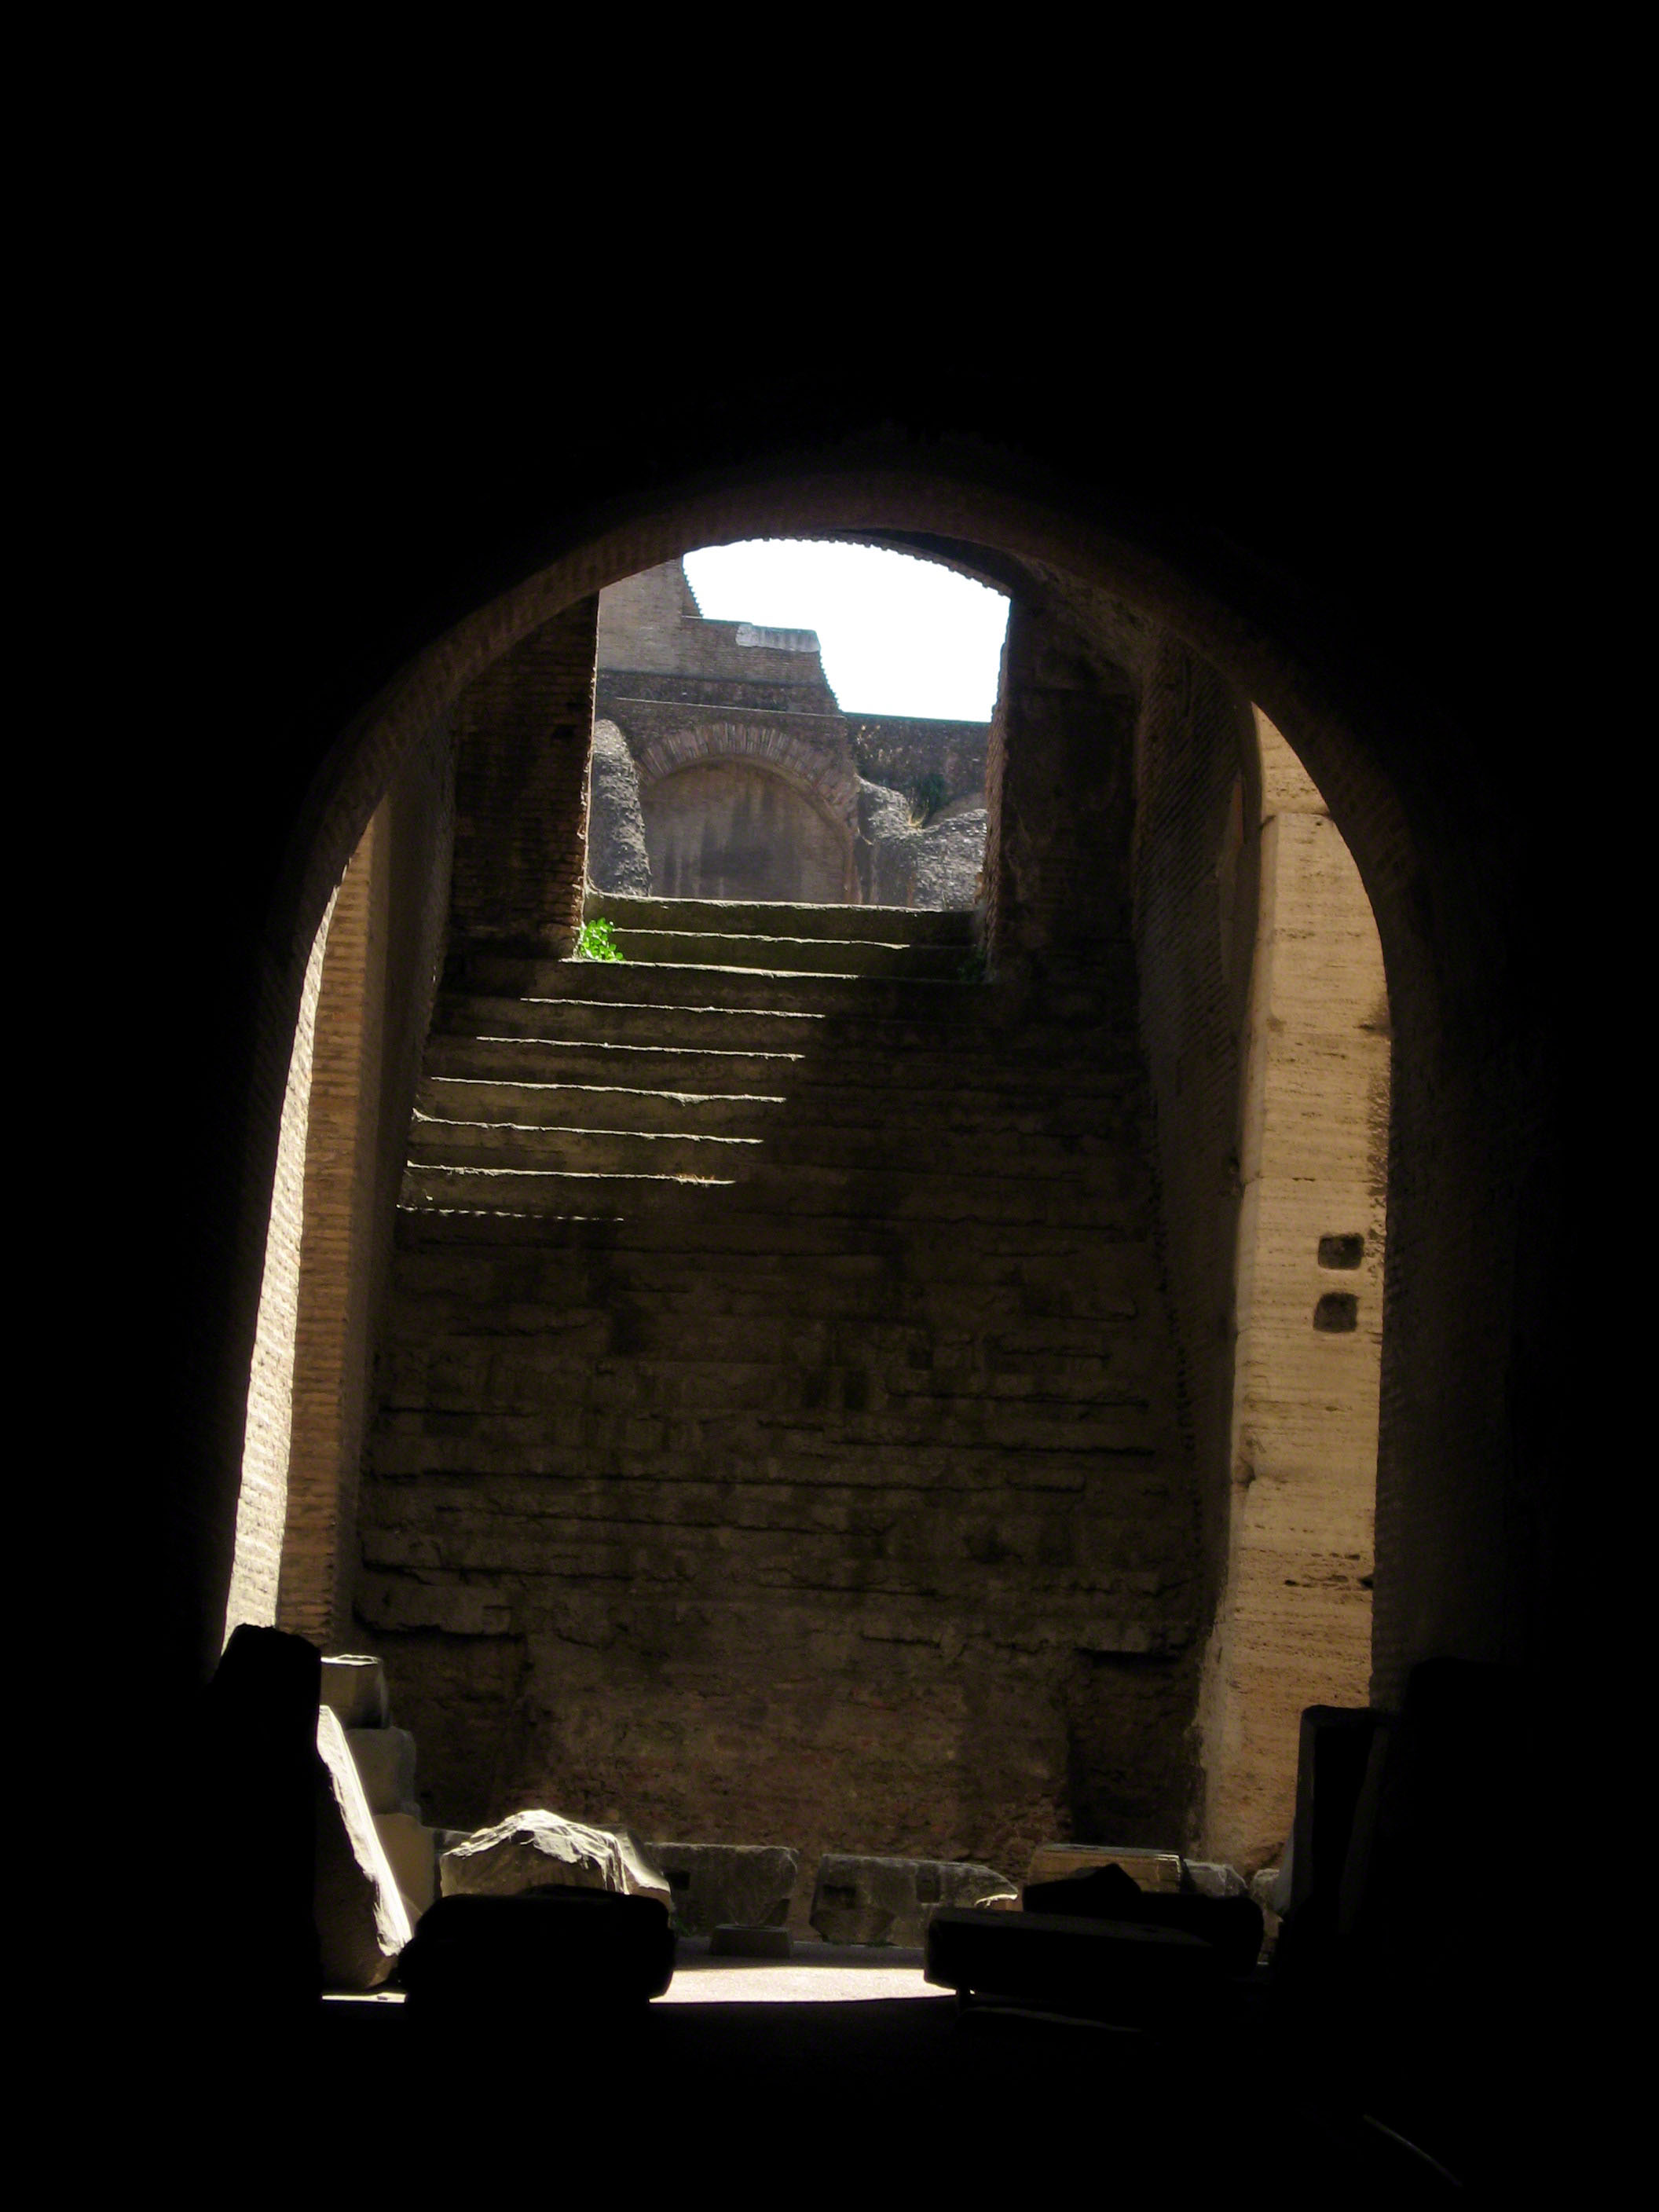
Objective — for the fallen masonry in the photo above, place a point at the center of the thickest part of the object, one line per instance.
(541, 1850)
(888, 1900)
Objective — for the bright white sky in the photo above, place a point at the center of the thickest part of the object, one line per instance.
(900, 636)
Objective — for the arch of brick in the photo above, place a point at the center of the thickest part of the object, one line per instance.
(1466, 1092)
(781, 752)
(1367, 573)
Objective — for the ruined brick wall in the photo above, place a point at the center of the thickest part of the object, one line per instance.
(523, 730)
(864, 1520)
(1061, 777)
(1196, 864)
(905, 751)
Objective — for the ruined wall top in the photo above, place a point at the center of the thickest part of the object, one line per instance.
(651, 625)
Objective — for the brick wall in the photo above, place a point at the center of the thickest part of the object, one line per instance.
(1293, 1621)
(329, 1376)
(870, 1524)
(1195, 878)
(523, 730)
(379, 971)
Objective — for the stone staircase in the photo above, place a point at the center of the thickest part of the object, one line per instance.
(583, 1090)
(777, 1295)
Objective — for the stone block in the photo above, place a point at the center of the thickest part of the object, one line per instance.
(537, 1850)
(751, 1943)
(732, 1885)
(411, 1850)
(354, 1686)
(888, 1900)
(362, 1922)
(386, 1761)
(1159, 1873)
(1208, 1878)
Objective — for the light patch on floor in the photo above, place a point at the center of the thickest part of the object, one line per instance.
(817, 1973)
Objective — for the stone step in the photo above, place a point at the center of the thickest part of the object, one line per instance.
(885, 1315)
(748, 990)
(527, 1147)
(720, 917)
(597, 1021)
(571, 1196)
(507, 1449)
(914, 1359)
(639, 1067)
(851, 956)
(697, 1234)
(726, 1028)
(827, 1127)
(842, 1194)
(595, 1106)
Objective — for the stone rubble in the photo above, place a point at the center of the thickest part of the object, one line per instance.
(362, 1922)
(537, 1850)
(890, 1900)
(727, 1885)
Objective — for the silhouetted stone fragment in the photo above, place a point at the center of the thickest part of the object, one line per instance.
(539, 1954)
(361, 1924)
(882, 1900)
(537, 1850)
(1126, 1973)
(1232, 1926)
(254, 1779)
(734, 1885)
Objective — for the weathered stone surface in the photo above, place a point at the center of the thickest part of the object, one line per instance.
(739, 1885)
(411, 1850)
(536, 1849)
(617, 859)
(905, 861)
(355, 1688)
(386, 1761)
(881, 1900)
(362, 1922)
(1155, 1872)
(1209, 1879)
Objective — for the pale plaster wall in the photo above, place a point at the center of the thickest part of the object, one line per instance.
(1294, 1621)
(261, 1499)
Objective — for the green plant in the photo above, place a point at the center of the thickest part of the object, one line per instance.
(596, 940)
(927, 797)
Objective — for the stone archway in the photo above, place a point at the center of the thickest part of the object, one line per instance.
(730, 827)
(968, 516)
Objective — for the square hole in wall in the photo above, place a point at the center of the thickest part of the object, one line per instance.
(1342, 1251)
(1336, 1311)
